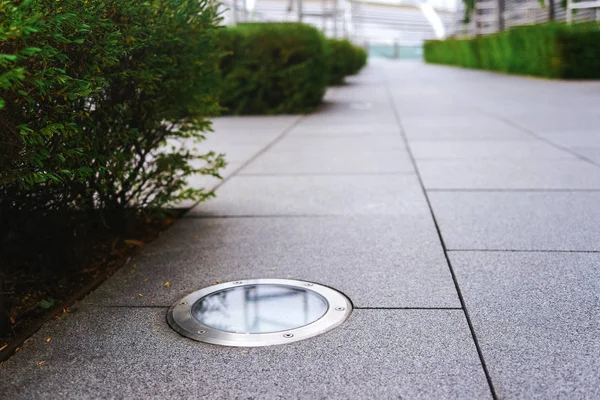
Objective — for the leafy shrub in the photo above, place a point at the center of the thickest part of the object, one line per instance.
(91, 93)
(272, 68)
(360, 59)
(342, 60)
(547, 50)
(92, 90)
(345, 59)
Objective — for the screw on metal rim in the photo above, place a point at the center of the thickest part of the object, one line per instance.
(288, 335)
(202, 332)
(340, 308)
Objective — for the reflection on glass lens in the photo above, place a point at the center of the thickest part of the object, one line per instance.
(259, 308)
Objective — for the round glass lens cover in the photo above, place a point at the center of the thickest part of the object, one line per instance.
(261, 308)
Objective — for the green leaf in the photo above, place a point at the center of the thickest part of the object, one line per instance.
(31, 50)
(46, 304)
(9, 57)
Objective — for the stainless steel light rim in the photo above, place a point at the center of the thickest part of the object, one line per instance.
(180, 317)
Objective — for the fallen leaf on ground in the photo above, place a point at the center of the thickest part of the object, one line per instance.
(167, 284)
(3, 347)
(48, 340)
(132, 242)
(140, 295)
(168, 221)
(42, 362)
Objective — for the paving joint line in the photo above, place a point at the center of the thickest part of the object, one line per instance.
(541, 138)
(263, 216)
(498, 139)
(251, 159)
(495, 158)
(499, 190)
(389, 173)
(345, 135)
(523, 251)
(443, 244)
(409, 308)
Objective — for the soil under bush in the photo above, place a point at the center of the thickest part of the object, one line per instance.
(49, 262)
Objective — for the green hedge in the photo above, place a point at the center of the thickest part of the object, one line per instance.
(91, 90)
(272, 68)
(547, 50)
(279, 68)
(345, 59)
(360, 59)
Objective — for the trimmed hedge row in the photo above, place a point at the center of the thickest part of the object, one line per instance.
(281, 68)
(272, 68)
(345, 59)
(546, 50)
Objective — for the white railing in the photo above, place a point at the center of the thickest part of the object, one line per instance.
(581, 5)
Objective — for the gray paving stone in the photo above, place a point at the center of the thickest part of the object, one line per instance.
(442, 132)
(316, 195)
(376, 261)
(237, 143)
(479, 120)
(509, 174)
(591, 153)
(351, 105)
(240, 139)
(339, 160)
(333, 143)
(536, 319)
(519, 220)
(134, 354)
(238, 153)
(472, 149)
(253, 124)
(554, 117)
(207, 182)
(353, 124)
(576, 138)
(346, 129)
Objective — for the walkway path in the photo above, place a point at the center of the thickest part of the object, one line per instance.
(459, 211)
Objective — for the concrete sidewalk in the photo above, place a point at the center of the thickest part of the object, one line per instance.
(457, 209)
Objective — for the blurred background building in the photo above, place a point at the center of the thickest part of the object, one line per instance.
(398, 28)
